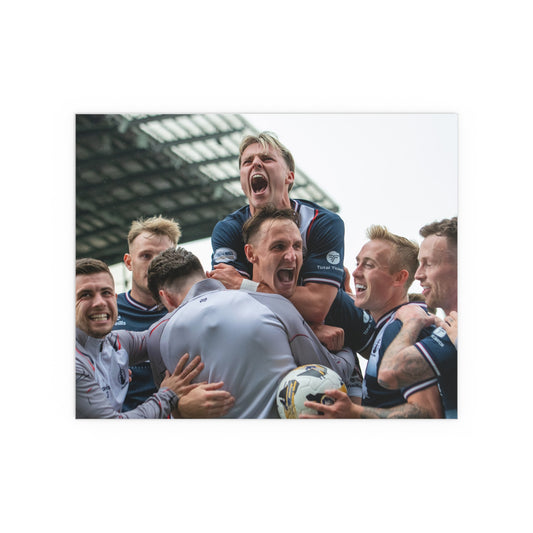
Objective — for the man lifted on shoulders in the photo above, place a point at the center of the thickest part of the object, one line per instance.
(267, 176)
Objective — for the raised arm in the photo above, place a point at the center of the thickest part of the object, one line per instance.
(314, 300)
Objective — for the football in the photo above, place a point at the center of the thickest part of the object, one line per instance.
(306, 383)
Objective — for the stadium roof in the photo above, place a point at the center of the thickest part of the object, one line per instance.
(180, 166)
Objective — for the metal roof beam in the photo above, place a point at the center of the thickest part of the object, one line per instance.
(99, 160)
(220, 206)
(200, 138)
(153, 118)
(128, 179)
(169, 192)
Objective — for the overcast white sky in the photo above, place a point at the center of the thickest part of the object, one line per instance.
(398, 170)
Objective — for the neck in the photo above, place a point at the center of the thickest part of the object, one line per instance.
(173, 297)
(142, 296)
(389, 306)
(448, 310)
(284, 203)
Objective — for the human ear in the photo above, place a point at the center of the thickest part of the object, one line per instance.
(249, 251)
(401, 277)
(290, 178)
(127, 261)
(165, 301)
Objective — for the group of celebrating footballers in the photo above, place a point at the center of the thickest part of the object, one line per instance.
(184, 342)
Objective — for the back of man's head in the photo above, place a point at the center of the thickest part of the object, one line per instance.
(156, 225)
(266, 139)
(172, 270)
(252, 226)
(404, 255)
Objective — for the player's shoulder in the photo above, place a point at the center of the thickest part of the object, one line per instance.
(274, 302)
(237, 218)
(126, 304)
(300, 205)
(121, 298)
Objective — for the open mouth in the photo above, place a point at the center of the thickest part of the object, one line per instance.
(259, 183)
(99, 317)
(286, 275)
(359, 288)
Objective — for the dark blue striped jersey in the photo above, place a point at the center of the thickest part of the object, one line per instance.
(374, 395)
(323, 243)
(135, 316)
(441, 354)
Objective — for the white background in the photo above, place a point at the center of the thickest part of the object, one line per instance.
(401, 57)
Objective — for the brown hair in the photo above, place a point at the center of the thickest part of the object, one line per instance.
(171, 266)
(269, 212)
(88, 265)
(445, 228)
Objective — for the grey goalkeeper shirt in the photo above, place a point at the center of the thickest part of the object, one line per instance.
(248, 340)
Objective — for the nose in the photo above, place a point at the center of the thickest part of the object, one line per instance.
(419, 274)
(257, 163)
(98, 300)
(290, 254)
(356, 271)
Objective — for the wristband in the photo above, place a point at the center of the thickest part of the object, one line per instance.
(248, 285)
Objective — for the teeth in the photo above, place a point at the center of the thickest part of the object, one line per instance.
(259, 183)
(102, 316)
(360, 287)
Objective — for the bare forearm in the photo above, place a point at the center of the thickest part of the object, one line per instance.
(406, 410)
(402, 363)
(313, 301)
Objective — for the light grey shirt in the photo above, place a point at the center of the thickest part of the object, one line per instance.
(248, 340)
(102, 377)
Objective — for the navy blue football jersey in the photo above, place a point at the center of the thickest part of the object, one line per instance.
(441, 354)
(374, 395)
(323, 243)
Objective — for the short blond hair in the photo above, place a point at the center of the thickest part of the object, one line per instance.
(156, 225)
(266, 139)
(405, 256)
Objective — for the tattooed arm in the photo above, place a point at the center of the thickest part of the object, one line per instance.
(402, 364)
(422, 404)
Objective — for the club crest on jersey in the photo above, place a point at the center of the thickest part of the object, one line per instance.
(224, 255)
(333, 258)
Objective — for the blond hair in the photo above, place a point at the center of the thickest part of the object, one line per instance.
(156, 225)
(405, 255)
